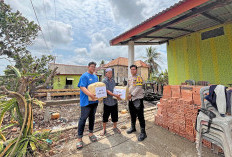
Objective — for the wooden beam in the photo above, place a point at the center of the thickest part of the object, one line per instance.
(56, 90)
(57, 94)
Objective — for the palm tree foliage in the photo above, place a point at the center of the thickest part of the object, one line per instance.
(152, 59)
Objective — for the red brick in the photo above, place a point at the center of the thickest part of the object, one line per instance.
(197, 99)
(182, 134)
(175, 99)
(163, 101)
(175, 91)
(190, 138)
(171, 130)
(196, 89)
(167, 93)
(188, 102)
(187, 94)
(165, 126)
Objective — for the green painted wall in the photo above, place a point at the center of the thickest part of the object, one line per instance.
(60, 81)
(189, 57)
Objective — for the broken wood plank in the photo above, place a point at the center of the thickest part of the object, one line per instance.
(56, 90)
(61, 102)
(57, 94)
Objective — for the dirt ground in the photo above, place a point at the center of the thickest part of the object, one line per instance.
(69, 114)
(160, 142)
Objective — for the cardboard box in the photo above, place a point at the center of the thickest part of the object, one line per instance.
(98, 89)
(123, 91)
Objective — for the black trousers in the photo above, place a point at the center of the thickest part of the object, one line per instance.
(137, 113)
(87, 112)
(110, 110)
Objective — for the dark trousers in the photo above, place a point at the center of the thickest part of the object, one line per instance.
(137, 113)
(87, 112)
(110, 110)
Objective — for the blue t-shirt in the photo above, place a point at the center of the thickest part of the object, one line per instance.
(85, 80)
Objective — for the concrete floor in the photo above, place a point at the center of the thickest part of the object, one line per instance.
(160, 142)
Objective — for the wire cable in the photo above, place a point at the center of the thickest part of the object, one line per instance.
(39, 25)
(45, 10)
(55, 20)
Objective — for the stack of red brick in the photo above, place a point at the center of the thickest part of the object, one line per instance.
(177, 110)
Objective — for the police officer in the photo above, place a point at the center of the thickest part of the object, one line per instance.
(136, 107)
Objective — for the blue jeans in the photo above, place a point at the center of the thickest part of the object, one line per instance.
(87, 112)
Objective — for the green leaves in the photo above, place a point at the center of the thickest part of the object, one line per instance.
(33, 146)
(2, 137)
(24, 149)
(39, 103)
(16, 71)
(153, 58)
(7, 126)
(6, 107)
(16, 34)
(1, 146)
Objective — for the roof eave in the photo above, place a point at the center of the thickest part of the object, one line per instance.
(167, 14)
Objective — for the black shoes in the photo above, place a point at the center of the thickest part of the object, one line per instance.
(132, 129)
(142, 135)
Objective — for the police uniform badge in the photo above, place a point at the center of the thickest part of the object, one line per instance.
(139, 81)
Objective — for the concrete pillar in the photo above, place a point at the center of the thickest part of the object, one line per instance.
(130, 56)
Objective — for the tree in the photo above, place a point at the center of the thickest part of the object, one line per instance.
(152, 58)
(162, 78)
(102, 62)
(16, 33)
(20, 81)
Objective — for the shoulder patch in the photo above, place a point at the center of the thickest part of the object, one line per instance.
(139, 81)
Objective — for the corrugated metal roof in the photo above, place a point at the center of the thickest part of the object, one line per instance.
(176, 4)
(180, 6)
(64, 69)
(122, 61)
(222, 11)
(223, 14)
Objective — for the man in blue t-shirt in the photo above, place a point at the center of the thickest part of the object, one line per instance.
(88, 108)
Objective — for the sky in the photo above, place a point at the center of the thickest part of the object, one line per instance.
(78, 31)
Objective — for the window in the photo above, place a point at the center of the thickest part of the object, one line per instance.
(212, 33)
(69, 81)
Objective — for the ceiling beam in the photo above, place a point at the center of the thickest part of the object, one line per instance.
(147, 43)
(144, 43)
(141, 43)
(180, 29)
(157, 37)
(179, 19)
(212, 17)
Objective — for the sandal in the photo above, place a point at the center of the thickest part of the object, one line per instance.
(116, 130)
(93, 138)
(79, 145)
(103, 133)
